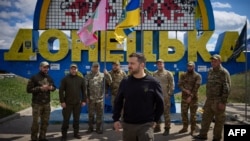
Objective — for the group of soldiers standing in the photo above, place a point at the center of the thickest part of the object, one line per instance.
(95, 84)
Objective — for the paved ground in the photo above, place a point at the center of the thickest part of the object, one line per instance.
(17, 127)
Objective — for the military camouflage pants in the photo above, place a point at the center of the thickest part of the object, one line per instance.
(210, 111)
(41, 111)
(95, 109)
(113, 101)
(167, 103)
(185, 107)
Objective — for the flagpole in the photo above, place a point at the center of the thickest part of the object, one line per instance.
(142, 34)
(105, 48)
(246, 75)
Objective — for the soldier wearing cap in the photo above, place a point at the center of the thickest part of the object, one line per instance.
(217, 92)
(117, 74)
(72, 95)
(189, 84)
(40, 85)
(95, 92)
(167, 83)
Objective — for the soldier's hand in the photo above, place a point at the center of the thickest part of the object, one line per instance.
(63, 105)
(83, 103)
(117, 126)
(188, 92)
(44, 88)
(154, 124)
(105, 71)
(50, 88)
(188, 100)
(221, 106)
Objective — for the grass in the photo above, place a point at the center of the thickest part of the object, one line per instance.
(238, 90)
(14, 96)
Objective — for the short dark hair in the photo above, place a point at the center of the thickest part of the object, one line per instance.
(141, 58)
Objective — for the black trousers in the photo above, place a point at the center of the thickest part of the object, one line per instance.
(66, 112)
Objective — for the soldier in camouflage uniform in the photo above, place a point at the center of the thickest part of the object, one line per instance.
(117, 74)
(95, 92)
(40, 85)
(167, 83)
(189, 84)
(217, 92)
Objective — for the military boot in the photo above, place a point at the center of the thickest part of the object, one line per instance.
(90, 130)
(91, 127)
(183, 130)
(194, 129)
(99, 129)
(64, 136)
(166, 132)
(76, 134)
(157, 128)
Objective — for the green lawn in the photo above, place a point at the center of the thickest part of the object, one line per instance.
(14, 96)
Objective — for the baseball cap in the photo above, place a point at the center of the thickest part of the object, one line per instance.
(44, 63)
(95, 64)
(160, 60)
(216, 57)
(73, 65)
(190, 63)
(116, 62)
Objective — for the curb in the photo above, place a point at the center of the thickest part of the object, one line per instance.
(15, 115)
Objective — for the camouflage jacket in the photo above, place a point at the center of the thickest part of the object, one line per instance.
(116, 79)
(34, 84)
(166, 79)
(218, 84)
(191, 82)
(95, 85)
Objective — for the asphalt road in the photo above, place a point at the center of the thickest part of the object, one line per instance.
(17, 128)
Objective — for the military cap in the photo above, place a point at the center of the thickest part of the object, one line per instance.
(44, 63)
(190, 63)
(116, 62)
(216, 57)
(73, 65)
(160, 60)
(95, 64)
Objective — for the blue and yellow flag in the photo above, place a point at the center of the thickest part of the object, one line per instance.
(129, 19)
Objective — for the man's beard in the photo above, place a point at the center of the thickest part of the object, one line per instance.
(45, 72)
(135, 71)
(115, 70)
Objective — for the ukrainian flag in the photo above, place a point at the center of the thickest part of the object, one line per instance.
(129, 19)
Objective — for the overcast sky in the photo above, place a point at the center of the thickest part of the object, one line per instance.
(230, 15)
